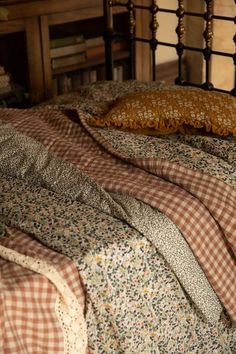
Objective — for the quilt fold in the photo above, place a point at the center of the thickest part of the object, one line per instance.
(78, 186)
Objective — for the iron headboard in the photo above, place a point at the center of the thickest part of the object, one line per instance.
(154, 9)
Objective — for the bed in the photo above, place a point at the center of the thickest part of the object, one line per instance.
(118, 214)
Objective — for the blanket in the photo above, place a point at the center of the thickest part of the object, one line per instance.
(103, 171)
(36, 166)
(134, 302)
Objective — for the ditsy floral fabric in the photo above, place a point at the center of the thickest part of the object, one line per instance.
(213, 155)
(134, 302)
(210, 154)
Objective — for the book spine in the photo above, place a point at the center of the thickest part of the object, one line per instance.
(64, 41)
(99, 51)
(94, 52)
(85, 77)
(76, 80)
(67, 50)
(92, 76)
(68, 60)
(101, 73)
(64, 84)
(120, 74)
(94, 42)
(115, 74)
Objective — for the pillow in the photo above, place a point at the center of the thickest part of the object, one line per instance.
(167, 110)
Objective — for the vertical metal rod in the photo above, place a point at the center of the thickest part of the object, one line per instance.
(180, 30)
(208, 35)
(130, 8)
(108, 37)
(153, 65)
(154, 42)
(233, 92)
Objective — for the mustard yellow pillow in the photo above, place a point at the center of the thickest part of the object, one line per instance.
(167, 110)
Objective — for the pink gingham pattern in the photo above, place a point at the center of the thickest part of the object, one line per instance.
(203, 207)
(29, 321)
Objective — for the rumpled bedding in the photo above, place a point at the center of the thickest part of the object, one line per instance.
(145, 290)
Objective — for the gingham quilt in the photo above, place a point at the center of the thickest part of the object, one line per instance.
(202, 206)
(38, 286)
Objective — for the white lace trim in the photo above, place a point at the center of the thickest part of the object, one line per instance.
(67, 308)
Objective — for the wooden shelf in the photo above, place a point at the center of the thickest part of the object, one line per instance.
(35, 19)
(82, 21)
(34, 8)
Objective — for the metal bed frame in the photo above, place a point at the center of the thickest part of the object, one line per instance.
(154, 9)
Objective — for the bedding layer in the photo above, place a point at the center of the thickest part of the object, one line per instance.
(39, 167)
(87, 176)
(128, 283)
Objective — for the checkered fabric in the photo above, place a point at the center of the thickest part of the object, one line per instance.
(202, 207)
(29, 323)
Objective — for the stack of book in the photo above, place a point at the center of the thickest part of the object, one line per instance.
(77, 61)
(95, 47)
(5, 82)
(67, 52)
(67, 82)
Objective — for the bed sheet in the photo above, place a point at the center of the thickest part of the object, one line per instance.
(121, 257)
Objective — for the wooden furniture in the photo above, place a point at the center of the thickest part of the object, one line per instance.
(34, 19)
